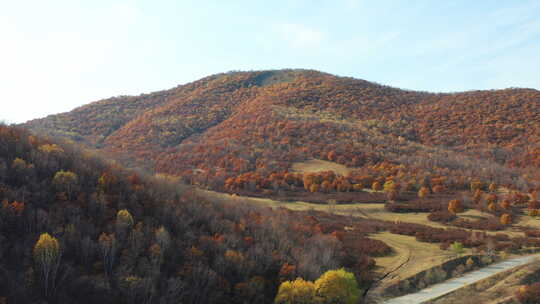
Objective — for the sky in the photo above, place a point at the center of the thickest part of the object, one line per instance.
(57, 55)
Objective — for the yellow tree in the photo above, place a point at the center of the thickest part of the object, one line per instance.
(476, 185)
(163, 238)
(47, 257)
(65, 181)
(423, 192)
(506, 219)
(389, 186)
(124, 222)
(337, 286)
(51, 149)
(298, 291)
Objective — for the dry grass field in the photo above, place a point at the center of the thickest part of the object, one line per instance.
(410, 256)
(419, 255)
(317, 165)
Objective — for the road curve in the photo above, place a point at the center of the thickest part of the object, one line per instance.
(443, 288)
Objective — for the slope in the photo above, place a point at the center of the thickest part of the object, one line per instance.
(116, 236)
(258, 123)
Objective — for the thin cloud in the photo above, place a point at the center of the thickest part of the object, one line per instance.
(301, 36)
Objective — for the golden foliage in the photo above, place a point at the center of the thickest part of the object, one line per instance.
(298, 291)
(46, 249)
(506, 219)
(124, 217)
(423, 192)
(337, 286)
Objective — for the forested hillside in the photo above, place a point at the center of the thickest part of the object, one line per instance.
(77, 229)
(244, 130)
(73, 226)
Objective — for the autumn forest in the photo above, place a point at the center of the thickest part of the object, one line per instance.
(149, 198)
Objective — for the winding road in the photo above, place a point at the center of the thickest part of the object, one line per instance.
(446, 287)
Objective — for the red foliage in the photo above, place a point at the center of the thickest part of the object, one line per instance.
(227, 125)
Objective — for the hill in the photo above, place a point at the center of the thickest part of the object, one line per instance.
(246, 130)
(392, 159)
(77, 229)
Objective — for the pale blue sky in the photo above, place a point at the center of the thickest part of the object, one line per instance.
(56, 55)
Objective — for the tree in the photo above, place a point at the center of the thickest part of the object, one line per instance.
(107, 246)
(326, 186)
(455, 207)
(51, 149)
(124, 221)
(477, 196)
(106, 181)
(163, 238)
(337, 286)
(505, 204)
(492, 198)
(438, 189)
(476, 185)
(470, 263)
(376, 186)
(298, 291)
(457, 248)
(506, 219)
(423, 192)
(47, 257)
(389, 186)
(65, 181)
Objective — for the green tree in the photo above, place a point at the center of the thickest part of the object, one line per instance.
(457, 248)
(337, 286)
